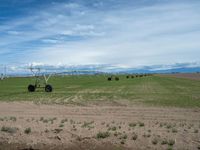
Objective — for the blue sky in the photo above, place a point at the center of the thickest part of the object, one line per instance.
(126, 33)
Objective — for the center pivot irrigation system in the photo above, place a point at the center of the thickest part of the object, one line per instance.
(41, 80)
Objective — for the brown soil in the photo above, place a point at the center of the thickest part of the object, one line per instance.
(193, 76)
(76, 127)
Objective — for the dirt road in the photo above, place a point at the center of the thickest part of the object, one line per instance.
(25, 125)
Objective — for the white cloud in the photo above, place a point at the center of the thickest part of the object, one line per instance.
(163, 33)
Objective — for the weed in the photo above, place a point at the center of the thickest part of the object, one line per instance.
(132, 124)
(9, 129)
(169, 126)
(103, 123)
(154, 141)
(174, 130)
(122, 142)
(164, 142)
(102, 135)
(196, 131)
(87, 124)
(61, 125)
(171, 142)
(116, 134)
(123, 136)
(13, 118)
(134, 137)
(41, 118)
(141, 124)
(64, 120)
(45, 121)
(27, 130)
(112, 128)
(169, 148)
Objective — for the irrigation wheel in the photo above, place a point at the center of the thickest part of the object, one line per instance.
(48, 88)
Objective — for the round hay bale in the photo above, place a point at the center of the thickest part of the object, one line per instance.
(117, 78)
(127, 77)
(109, 78)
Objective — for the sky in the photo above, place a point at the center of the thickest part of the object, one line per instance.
(126, 33)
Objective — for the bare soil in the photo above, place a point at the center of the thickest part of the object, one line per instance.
(97, 127)
(193, 76)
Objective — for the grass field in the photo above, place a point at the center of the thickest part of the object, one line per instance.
(151, 90)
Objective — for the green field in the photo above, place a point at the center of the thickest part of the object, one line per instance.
(151, 90)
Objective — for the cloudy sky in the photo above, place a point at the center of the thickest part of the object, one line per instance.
(118, 32)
